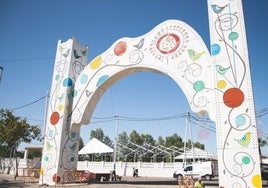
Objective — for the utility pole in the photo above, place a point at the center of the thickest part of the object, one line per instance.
(45, 112)
(115, 140)
(188, 126)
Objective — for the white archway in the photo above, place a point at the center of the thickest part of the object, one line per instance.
(215, 84)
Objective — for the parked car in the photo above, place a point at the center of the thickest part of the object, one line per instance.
(196, 170)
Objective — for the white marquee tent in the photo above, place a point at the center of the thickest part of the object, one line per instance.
(196, 153)
(95, 146)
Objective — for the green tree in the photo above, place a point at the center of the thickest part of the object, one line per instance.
(81, 145)
(174, 140)
(160, 141)
(148, 139)
(199, 145)
(135, 138)
(98, 134)
(33, 153)
(123, 140)
(15, 130)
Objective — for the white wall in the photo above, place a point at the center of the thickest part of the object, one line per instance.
(126, 169)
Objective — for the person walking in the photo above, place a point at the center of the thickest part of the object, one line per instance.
(199, 183)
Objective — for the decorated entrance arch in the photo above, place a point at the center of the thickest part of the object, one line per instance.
(217, 83)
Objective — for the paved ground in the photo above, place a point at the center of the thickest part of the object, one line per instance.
(7, 181)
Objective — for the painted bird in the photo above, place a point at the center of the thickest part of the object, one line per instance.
(66, 53)
(217, 9)
(76, 55)
(245, 140)
(194, 56)
(49, 146)
(73, 146)
(140, 44)
(84, 52)
(221, 70)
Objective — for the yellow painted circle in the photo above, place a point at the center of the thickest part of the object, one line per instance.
(256, 181)
(95, 63)
(60, 107)
(221, 84)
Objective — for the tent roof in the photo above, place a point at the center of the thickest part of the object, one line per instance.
(95, 146)
(198, 153)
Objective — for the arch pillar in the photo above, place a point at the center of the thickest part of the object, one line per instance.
(60, 150)
(237, 141)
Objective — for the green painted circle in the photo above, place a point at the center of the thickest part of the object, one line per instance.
(233, 36)
(246, 160)
(199, 86)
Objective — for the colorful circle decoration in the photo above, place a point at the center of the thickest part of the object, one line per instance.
(57, 77)
(246, 160)
(74, 93)
(221, 84)
(168, 43)
(95, 63)
(60, 107)
(199, 86)
(256, 181)
(56, 178)
(73, 135)
(120, 48)
(47, 158)
(240, 120)
(67, 82)
(233, 36)
(233, 97)
(215, 49)
(54, 118)
(84, 79)
(101, 80)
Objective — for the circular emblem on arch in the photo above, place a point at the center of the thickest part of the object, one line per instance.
(168, 43)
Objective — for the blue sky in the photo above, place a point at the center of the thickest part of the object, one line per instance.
(30, 30)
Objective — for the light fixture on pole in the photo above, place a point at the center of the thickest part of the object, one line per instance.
(1, 72)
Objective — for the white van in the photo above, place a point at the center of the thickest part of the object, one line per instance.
(200, 169)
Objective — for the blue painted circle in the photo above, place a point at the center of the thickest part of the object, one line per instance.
(67, 82)
(83, 79)
(240, 120)
(215, 49)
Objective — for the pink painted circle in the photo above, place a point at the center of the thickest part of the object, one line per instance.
(120, 48)
(168, 43)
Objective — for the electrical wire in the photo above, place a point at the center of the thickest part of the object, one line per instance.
(26, 59)
(28, 104)
(201, 121)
